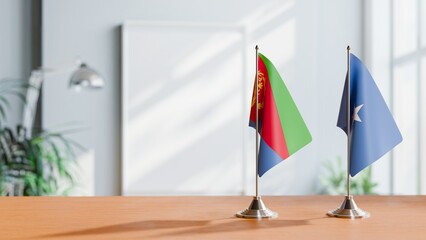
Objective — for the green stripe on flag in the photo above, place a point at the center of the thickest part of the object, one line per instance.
(296, 133)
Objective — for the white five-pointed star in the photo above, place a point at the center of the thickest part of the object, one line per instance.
(356, 111)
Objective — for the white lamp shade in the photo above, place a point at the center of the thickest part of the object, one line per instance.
(86, 77)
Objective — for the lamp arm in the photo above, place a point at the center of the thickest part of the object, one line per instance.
(31, 100)
(82, 76)
(33, 93)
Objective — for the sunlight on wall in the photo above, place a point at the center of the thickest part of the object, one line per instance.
(266, 13)
(405, 37)
(284, 36)
(213, 45)
(405, 111)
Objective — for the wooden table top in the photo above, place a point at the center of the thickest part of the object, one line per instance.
(300, 217)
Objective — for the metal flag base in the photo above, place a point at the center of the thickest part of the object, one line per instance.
(349, 209)
(257, 209)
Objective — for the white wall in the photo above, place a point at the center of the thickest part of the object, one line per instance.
(396, 60)
(15, 48)
(305, 39)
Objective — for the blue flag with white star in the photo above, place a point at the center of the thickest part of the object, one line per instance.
(373, 130)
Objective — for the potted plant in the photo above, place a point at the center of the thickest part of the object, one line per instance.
(334, 180)
(33, 166)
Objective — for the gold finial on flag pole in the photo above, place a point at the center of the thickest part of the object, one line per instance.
(257, 208)
(348, 209)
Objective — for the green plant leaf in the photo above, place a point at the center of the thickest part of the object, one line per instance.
(334, 179)
(47, 158)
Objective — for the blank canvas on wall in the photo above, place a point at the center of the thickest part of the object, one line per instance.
(182, 109)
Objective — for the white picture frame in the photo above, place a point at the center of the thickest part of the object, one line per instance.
(190, 54)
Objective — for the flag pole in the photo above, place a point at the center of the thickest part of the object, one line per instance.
(257, 208)
(348, 209)
(257, 121)
(348, 122)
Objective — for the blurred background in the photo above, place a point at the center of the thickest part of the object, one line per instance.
(171, 114)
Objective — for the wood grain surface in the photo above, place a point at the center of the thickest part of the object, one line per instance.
(300, 217)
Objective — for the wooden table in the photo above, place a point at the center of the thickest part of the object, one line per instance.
(301, 217)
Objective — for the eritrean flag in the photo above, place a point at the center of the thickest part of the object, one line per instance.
(281, 127)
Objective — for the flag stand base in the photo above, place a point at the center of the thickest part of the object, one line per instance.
(257, 209)
(349, 209)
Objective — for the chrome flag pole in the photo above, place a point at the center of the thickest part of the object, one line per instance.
(257, 208)
(348, 209)
(257, 121)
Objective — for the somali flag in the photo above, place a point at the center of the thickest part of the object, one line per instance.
(373, 130)
(281, 127)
